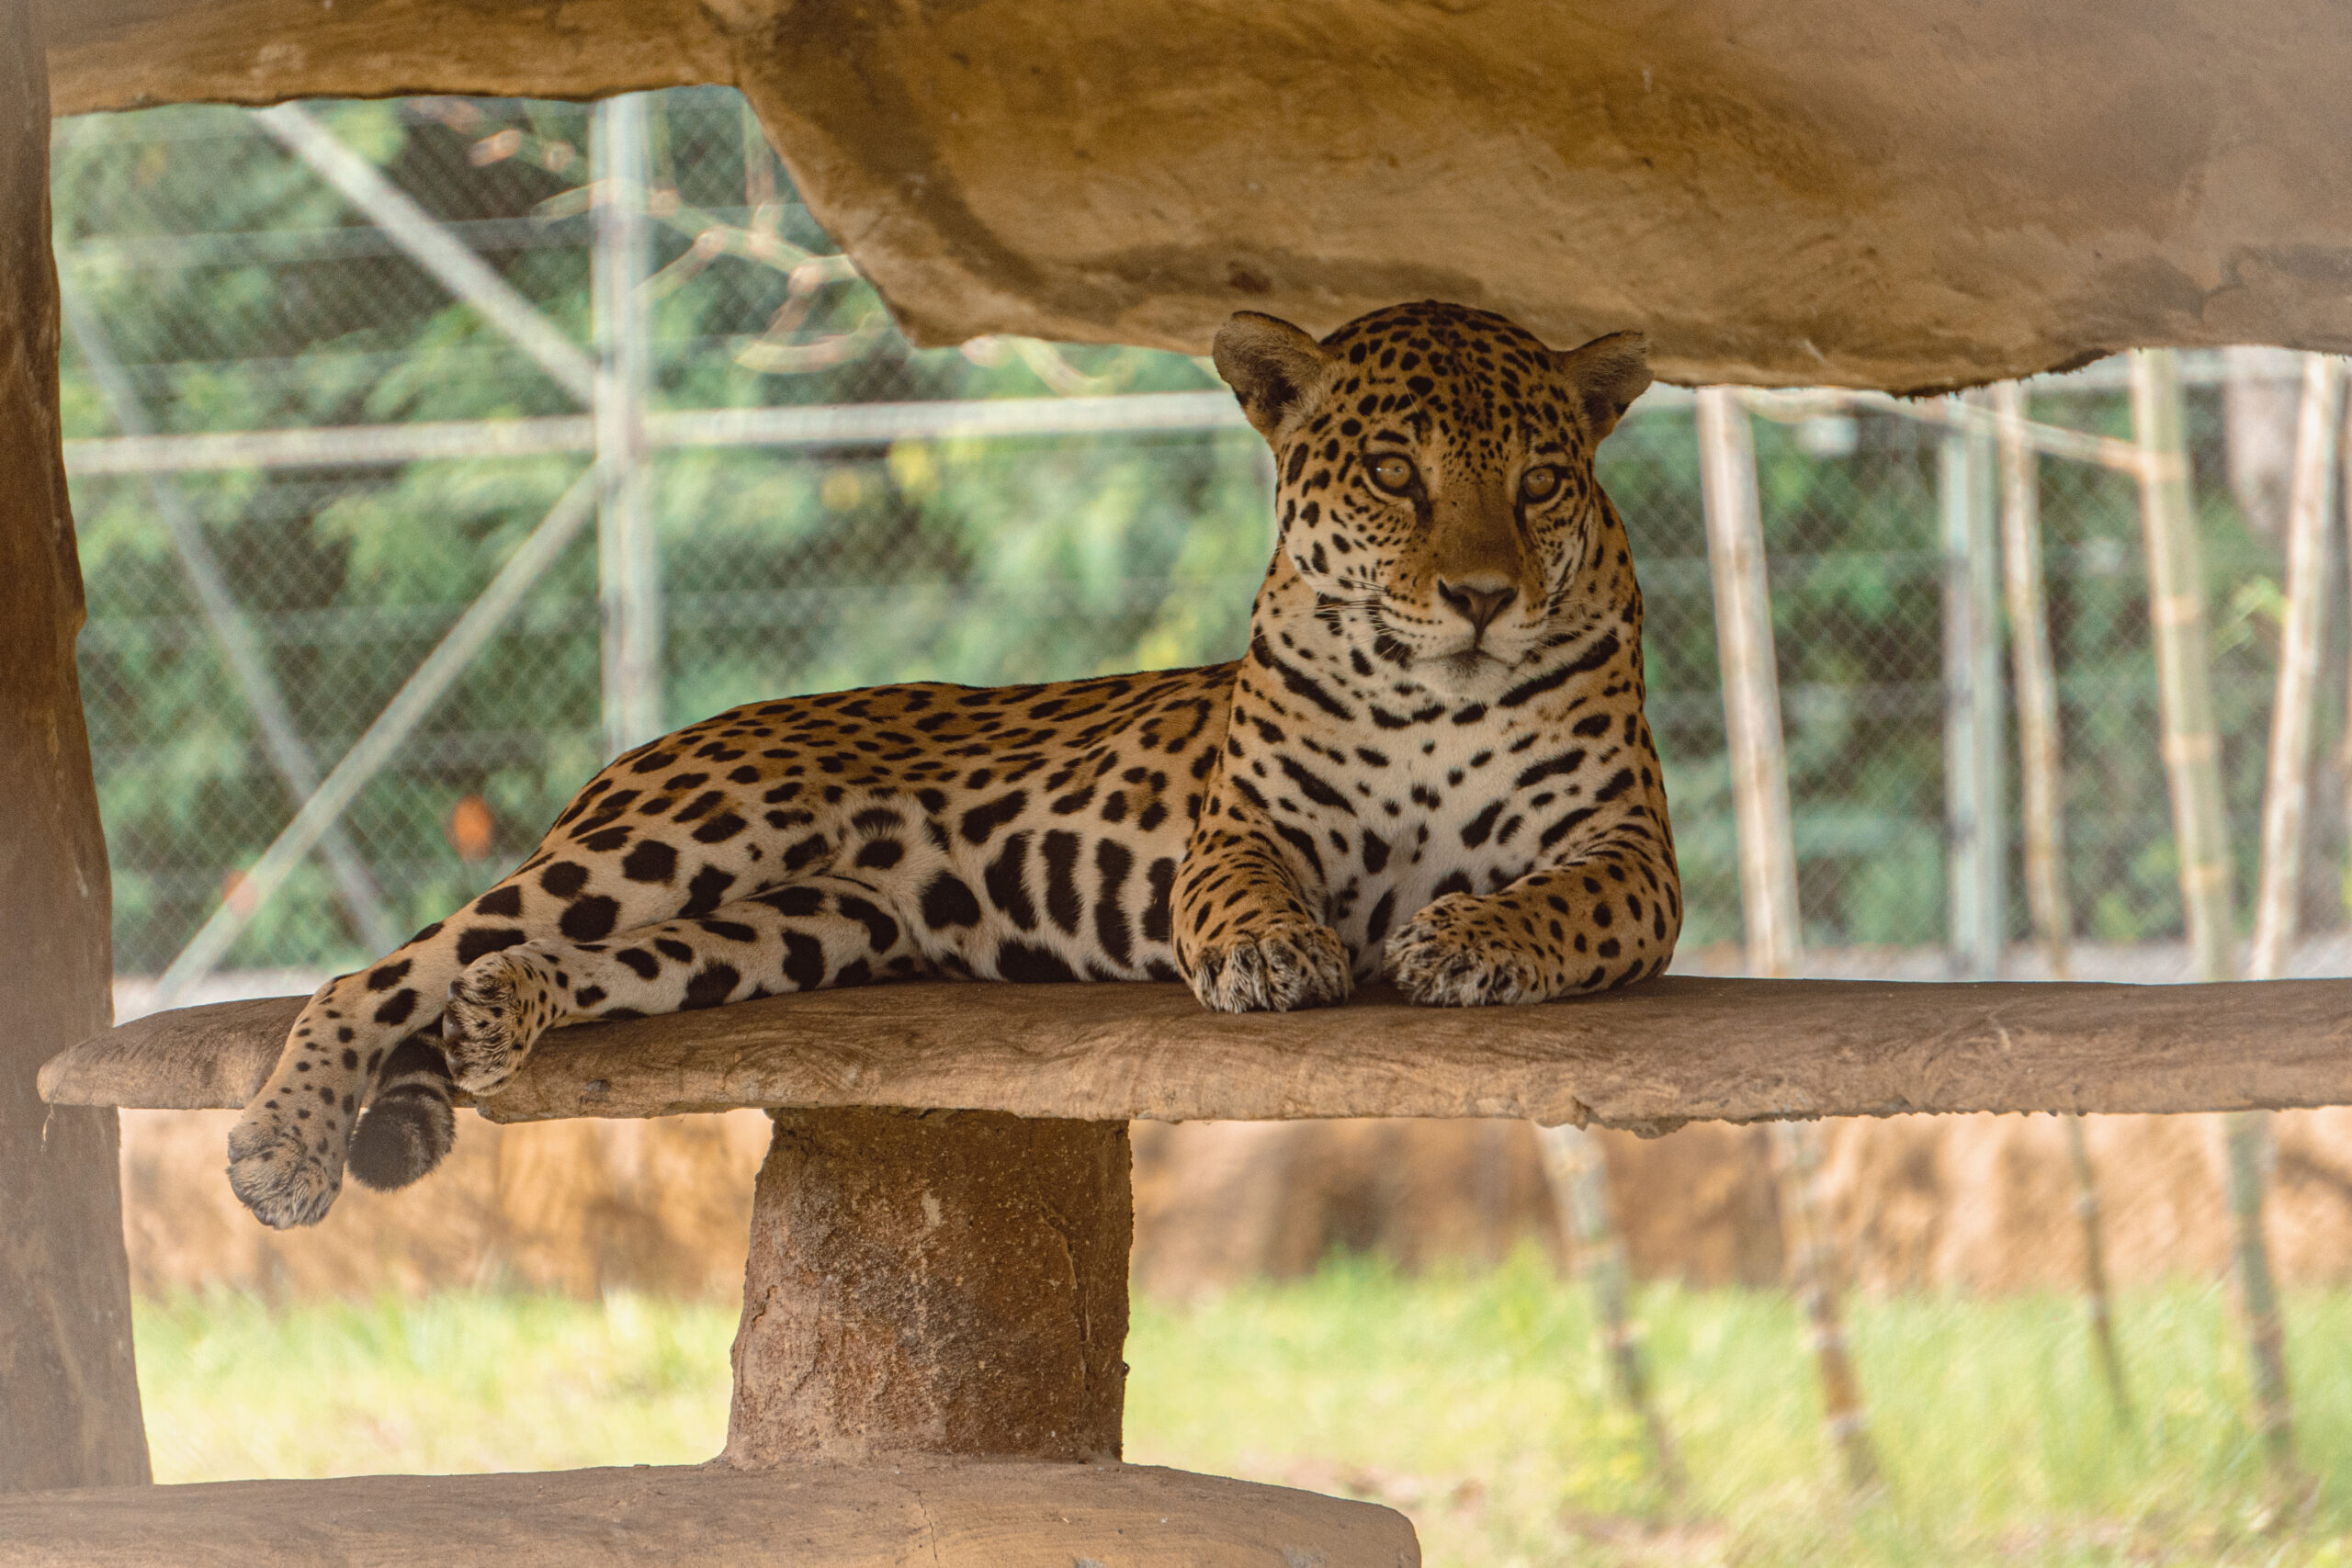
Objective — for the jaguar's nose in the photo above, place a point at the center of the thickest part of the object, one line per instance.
(1477, 600)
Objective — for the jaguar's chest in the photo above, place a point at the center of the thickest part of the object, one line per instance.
(1398, 818)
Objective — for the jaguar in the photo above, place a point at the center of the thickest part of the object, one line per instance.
(1431, 762)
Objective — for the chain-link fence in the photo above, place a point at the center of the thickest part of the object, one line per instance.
(270, 372)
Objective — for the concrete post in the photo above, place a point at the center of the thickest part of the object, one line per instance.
(944, 1283)
(69, 1400)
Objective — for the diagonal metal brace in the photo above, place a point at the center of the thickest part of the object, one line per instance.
(462, 271)
(239, 647)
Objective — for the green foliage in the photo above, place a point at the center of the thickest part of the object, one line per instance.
(1857, 583)
(242, 293)
(455, 1383)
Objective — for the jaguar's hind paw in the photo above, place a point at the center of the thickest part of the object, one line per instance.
(498, 1008)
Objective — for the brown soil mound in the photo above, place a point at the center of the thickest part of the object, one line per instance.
(580, 1207)
(1987, 1203)
(1976, 1202)
(1218, 1202)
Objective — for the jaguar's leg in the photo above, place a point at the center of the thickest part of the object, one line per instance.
(595, 872)
(824, 930)
(1246, 936)
(1599, 921)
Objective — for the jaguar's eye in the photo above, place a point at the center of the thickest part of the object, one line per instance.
(1392, 473)
(1540, 484)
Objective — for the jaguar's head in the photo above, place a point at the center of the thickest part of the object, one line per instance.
(1434, 482)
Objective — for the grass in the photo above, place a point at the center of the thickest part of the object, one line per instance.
(1475, 1403)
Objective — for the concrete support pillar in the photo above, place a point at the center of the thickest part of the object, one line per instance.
(69, 1401)
(947, 1283)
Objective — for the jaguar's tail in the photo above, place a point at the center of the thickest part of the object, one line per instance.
(408, 1126)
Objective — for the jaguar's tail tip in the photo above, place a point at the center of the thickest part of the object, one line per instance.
(408, 1126)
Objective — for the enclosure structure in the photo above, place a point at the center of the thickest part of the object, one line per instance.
(936, 1299)
(2171, 186)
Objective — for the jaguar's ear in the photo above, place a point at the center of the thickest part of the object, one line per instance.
(1608, 373)
(1270, 365)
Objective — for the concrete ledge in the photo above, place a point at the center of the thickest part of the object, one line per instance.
(953, 1516)
(1646, 1058)
(1778, 192)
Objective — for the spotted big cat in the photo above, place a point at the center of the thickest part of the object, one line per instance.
(1431, 763)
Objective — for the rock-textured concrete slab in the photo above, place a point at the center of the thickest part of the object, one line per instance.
(1777, 191)
(949, 1515)
(1649, 1057)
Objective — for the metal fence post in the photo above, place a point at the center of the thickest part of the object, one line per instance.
(629, 560)
(1978, 847)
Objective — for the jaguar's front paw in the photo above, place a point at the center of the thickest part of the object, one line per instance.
(1454, 955)
(1278, 970)
(285, 1176)
(498, 1008)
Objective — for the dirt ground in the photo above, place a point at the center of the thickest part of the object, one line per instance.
(1980, 1203)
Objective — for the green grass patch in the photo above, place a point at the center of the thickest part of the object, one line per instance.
(1475, 1403)
(459, 1381)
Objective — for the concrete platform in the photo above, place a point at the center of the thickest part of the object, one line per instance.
(1648, 1058)
(943, 1515)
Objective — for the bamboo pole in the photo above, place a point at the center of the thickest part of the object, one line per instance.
(1796, 1161)
(2247, 1154)
(2090, 1214)
(2041, 776)
(1579, 1174)
(1767, 878)
(2040, 773)
(2177, 609)
(1760, 771)
(2343, 751)
(2285, 809)
(2286, 788)
(2192, 768)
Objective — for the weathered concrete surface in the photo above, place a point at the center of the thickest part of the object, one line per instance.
(122, 54)
(69, 1402)
(1825, 191)
(933, 1282)
(1648, 1057)
(967, 1516)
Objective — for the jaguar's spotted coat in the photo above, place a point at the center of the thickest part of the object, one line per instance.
(1432, 760)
